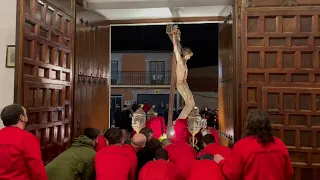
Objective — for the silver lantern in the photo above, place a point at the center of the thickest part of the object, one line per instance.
(138, 120)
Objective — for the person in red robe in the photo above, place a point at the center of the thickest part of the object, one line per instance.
(183, 159)
(181, 129)
(259, 155)
(211, 147)
(205, 168)
(118, 161)
(20, 155)
(101, 143)
(159, 169)
(157, 124)
(146, 106)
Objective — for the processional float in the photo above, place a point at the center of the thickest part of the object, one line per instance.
(195, 122)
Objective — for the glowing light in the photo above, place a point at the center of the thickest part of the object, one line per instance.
(172, 133)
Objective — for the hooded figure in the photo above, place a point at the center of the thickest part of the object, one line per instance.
(77, 162)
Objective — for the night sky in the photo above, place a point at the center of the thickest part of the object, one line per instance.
(201, 38)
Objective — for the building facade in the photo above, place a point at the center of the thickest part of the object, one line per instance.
(139, 76)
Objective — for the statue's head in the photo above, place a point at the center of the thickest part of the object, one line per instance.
(187, 53)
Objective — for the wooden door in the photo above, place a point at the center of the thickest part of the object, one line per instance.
(226, 88)
(281, 74)
(92, 77)
(43, 79)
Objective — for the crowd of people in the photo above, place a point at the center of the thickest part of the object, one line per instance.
(122, 118)
(114, 155)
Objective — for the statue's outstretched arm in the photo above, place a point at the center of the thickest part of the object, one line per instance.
(176, 49)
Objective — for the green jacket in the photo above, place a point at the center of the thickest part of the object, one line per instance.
(76, 163)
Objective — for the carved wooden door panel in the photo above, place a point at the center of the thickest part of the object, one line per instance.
(281, 74)
(226, 89)
(44, 71)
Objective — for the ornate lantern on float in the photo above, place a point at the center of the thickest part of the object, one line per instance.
(195, 124)
(151, 113)
(138, 119)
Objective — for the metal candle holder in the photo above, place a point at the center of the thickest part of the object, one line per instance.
(138, 120)
(195, 124)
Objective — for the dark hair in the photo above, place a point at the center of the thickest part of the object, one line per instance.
(259, 125)
(146, 131)
(10, 115)
(113, 136)
(92, 133)
(125, 134)
(207, 156)
(230, 144)
(162, 154)
(208, 139)
(153, 146)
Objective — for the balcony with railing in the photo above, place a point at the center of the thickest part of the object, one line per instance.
(140, 78)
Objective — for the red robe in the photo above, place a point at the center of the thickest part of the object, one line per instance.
(158, 170)
(20, 155)
(101, 143)
(181, 129)
(215, 133)
(157, 125)
(252, 161)
(146, 108)
(182, 158)
(214, 149)
(185, 145)
(205, 169)
(115, 162)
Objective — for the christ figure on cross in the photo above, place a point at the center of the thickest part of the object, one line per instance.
(182, 55)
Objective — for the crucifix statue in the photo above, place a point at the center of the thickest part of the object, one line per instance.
(179, 75)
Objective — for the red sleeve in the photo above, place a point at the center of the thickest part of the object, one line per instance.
(288, 166)
(232, 169)
(101, 143)
(132, 174)
(32, 156)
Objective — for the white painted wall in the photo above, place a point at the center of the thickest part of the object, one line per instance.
(7, 37)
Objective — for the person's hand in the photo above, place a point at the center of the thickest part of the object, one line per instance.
(218, 158)
(175, 29)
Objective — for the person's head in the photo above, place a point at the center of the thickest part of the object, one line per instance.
(207, 156)
(147, 132)
(187, 53)
(162, 104)
(206, 108)
(14, 115)
(153, 145)
(92, 133)
(259, 125)
(162, 154)
(166, 142)
(125, 107)
(138, 141)
(114, 136)
(208, 139)
(145, 101)
(125, 134)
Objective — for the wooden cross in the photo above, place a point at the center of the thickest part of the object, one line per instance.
(169, 31)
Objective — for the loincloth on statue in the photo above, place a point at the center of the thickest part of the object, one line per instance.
(185, 91)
